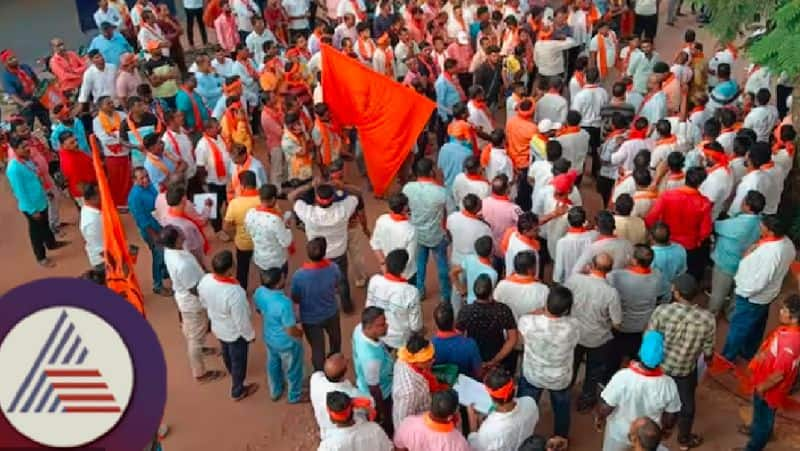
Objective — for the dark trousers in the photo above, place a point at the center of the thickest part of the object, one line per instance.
(595, 374)
(782, 92)
(595, 141)
(40, 234)
(195, 15)
(234, 354)
(524, 190)
(646, 25)
(746, 330)
(465, 80)
(605, 186)
(761, 426)
(686, 388)
(697, 261)
(36, 111)
(624, 344)
(316, 339)
(243, 266)
(222, 195)
(559, 399)
(344, 284)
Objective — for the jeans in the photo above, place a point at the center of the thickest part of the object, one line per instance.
(721, 288)
(285, 367)
(344, 284)
(595, 371)
(697, 260)
(746, 329)
(192, 15)
(243, 259)
(222, 194)
(158, 267)
(761, 426)
(559, 399)
(40, 234)
(686, 388)
(316, 339)
(440, 254)
(595, 141)
(234, 354)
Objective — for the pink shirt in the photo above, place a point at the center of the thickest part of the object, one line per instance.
(501, 214)
(127, 82)
(68, 70)
(227, 33)
(161, 209)
(462, 54)
(273, 130)
(414, 434)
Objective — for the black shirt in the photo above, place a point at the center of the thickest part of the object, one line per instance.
(486, 322)
(489, 78)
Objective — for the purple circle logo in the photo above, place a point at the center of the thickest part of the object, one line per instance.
(81, 368)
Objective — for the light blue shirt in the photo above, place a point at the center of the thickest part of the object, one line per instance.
(451, 160)
(157, 175)
(427, 203)
(111, 49)
(209, 86)
(27, 187)
(671, 261)
(446, 96)
(640, 67)
(76, 129)
(368, 357)
(655, 108)
(184, 104)
(473, 268)
(734, 237)
(278, 315)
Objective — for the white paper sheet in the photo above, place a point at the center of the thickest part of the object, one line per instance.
(470, 392)
(199, 201)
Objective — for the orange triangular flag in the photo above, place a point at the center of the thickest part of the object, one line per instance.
(120, 274)
(388, 115)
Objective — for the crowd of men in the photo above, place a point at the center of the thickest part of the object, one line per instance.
(534, 100)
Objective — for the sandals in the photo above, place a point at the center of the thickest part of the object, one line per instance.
(693, 442)
(249, 389)
(210, 376)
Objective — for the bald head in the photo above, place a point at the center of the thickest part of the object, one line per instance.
(602, 262)
(335, 367)
(645, 434)
(654, 82)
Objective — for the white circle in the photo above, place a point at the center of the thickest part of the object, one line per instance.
(92, 394)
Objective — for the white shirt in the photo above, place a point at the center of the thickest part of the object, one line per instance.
(588, 102)
(499, 163)
(517, 244)
(185, 273)
(688, 134)
(611, 50)
(98, 83)
(224, 69)
(298, 9)
(633, 395)
(551, 106)
(773, 187)
(757, 79)
(184, 151)
(646, 7)
(255, 44)
(620, 249)
(363, 436)
(654, 108)
(568, 249)
(205, 158)
(755, 180)
(91, 226)
(661, 152)
(522, 297)
(464, 231)
(596, 308)
(717, 187)
(271, 238)
(479, 119)
(463, 185)
(228, 309)
(244, 10)
(762, 119)
(319, 387)
(549, 350)
(111, 15)
(506, 430)
(627, 152)
(346, 7)
(330, 223)
(541, 171)
(152, 33)
(192, 4)
(109, 139)
(574, 147)
(549, 55)
(761, 272)
(390, 234)
(400, 302)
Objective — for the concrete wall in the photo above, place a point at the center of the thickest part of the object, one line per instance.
(28, 25)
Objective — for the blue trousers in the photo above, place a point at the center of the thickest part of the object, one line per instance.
(158, 267)
(442, 268)
(746, 329)
(761, 426)
(285, 367)
(559, 399)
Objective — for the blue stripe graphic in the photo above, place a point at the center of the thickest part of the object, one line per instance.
(44, 399)
(37, 362)
(83, 355)
(34, 392)
(61, 344)
(55, 403)
(75, 344)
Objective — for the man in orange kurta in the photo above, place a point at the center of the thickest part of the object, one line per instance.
(519, 131)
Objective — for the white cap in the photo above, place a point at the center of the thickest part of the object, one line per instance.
(462, 38)
(546, 125)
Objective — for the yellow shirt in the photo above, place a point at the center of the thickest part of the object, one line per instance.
(237, 209)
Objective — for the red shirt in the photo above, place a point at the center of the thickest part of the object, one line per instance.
(77, 168)
(686, 212)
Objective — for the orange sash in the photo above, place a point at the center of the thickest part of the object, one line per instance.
(174, 142)
(219, 162)
(198, 117)
(179, 213)
(602, 64)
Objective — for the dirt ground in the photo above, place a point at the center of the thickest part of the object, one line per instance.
(204, 417)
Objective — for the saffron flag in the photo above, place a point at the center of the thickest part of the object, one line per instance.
(387, 115)
(120, 274)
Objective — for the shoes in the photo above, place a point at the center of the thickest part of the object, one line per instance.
(249, 389)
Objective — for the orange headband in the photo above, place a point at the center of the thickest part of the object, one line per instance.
(459, 130)
(232, 88)
(357, 403)
(503, 392)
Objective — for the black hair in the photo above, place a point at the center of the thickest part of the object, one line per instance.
(471, 203)
(576, 216)
(755, 201)
(370, 314)
(605, 222)
(482, 288)
(222, 261)
(444, 403)
(396, 261)
(444, 317)
(559, 301)
(573, 117)
(316, 248)
(660, 232)
(524, 262)
(643, 255)
(695, 177)
(624, 204)
(483, 246)
(271, 277)
(553, 150)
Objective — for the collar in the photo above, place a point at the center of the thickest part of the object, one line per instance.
(324, 263)
(576, 229)
(597, 274)
(398, 217)
(447, 334)
(637, 368)
(225, 279)
(518, 278)
(392, 278)
(437, 426)
(637, 269)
